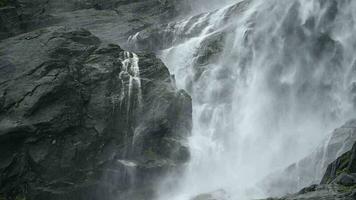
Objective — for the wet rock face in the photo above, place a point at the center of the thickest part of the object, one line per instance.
(342, 170)
(310, 170)
(82, 119)
(339, 181)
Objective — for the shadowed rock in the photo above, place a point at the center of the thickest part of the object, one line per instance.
(112, 20)
(83, 119)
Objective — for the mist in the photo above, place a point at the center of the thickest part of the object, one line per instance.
(269, 81)
(200, 6)
(177, 99)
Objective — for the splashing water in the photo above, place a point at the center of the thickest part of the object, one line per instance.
(269, 80)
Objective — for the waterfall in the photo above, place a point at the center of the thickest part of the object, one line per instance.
(130, 96)
(131, 68)
(269, 80)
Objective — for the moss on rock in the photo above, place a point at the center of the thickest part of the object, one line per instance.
(20, 197)
(339, 166)
(3, 3)
(345, 189)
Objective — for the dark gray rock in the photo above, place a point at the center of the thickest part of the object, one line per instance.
(22, 16)
(9, 22)
(345, 179)
(337, 169)
(80, 120)
(311, 188)
(112, 20)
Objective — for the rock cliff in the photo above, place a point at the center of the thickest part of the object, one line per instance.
(112, 20)
(83, 119)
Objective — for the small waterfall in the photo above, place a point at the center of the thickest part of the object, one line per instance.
(130, 98)
(127, 102)
(268, 81)
(131, 68)
(136, 77)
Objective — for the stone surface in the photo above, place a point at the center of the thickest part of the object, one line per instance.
(346, 179)
(339, 182)
(342, 169)
(112, 20)
(9, 22)
(310, 170)
(84, 119)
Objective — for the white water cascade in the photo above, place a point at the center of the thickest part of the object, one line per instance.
(269, 80)
(130, 97)
(131, 68)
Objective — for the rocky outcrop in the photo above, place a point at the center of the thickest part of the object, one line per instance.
(339, 181)
(112, 20)
(84, 119)
(162, 36)
(342, 170)
(310, 170)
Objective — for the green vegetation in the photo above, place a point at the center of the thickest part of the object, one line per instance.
(3, 3)
(342, 166)
(149, 153)
(345, 189)
(20, 197)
